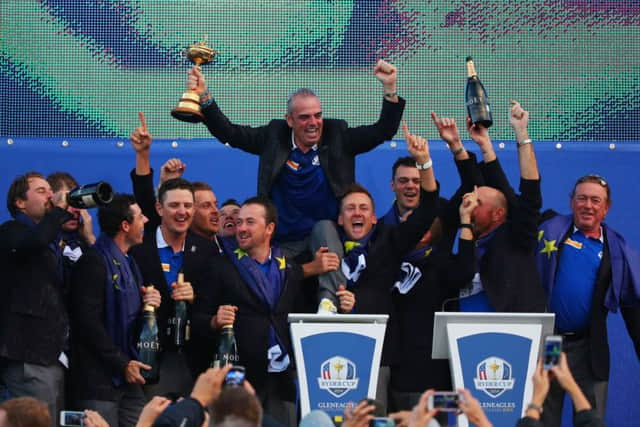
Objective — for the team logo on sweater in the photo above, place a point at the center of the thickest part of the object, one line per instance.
(494, 376)
(338, 376)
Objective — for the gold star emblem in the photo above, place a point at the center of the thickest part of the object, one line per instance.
(549, 246)
(240, 253)
(428, 252)
(282, 263)
(540, 234)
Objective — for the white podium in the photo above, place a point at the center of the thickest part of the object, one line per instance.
(337, 359)
(494, 356)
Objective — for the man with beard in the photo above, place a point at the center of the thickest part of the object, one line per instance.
(168, 249)
(34, 327)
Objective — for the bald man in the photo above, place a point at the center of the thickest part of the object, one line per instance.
(498, 231)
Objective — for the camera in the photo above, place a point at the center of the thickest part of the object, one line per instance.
(72, 418)
(552, 351)
(382, 422)
(235, 376)
(445, 401)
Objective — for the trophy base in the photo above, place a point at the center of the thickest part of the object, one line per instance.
(188, 109)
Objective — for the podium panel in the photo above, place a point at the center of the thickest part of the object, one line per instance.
(494, 356)
(337, 359)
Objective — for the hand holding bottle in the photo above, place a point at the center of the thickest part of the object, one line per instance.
(132, 372)
(151, 296)
(226, 315)
(182, 291)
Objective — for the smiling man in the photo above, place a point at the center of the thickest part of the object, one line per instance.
(588, 270)
(169, 248)
(306, 162)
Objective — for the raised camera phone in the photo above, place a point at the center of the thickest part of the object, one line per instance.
(382, 422)
(235, 376)
(446, 401)
(72, 418)
(552, 350)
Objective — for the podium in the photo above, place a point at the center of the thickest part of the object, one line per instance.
(337, 359)
(494, 356)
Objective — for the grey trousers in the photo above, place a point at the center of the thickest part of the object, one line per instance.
(579, 360)
(45, 383)
(123, 411)
(324, 233)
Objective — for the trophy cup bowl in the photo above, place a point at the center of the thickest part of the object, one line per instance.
(188, 109)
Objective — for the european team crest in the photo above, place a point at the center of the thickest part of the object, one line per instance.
(494, 376)
(338, 376)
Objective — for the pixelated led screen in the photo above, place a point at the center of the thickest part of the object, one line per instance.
(82, 68)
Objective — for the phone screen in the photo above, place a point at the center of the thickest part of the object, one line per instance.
(552, 350)
(235, 376)
(72, 418)
(446, 401)
(382, 422)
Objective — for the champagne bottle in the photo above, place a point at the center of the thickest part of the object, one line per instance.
(227, 348)
(90, 195)
(149, 344)
(180, 322)
(478, 107)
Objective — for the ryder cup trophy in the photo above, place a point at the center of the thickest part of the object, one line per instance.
(188, 109)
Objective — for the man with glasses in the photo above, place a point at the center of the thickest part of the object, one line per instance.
(587, 270)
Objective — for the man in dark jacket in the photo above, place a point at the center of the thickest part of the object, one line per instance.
(306, 161)
(34, 327)
(168, 249)
(106, 306)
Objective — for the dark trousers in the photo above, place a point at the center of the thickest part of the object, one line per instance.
(175, 377)
(123, 411)
(273, 402)
(45, 383)
(579, 360)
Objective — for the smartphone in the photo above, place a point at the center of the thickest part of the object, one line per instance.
(382, 422)
(72, 418)
(235, 376)
(446, 401)
(552, 350)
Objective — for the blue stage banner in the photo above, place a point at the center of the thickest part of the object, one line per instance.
(337, 362)
(494, 368)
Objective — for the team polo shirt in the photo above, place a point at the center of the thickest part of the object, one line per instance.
(302, 195)
(575, 281)
(171, 261)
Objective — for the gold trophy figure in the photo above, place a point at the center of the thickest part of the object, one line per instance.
(188, 109)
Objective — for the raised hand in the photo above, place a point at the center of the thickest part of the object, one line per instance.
(448, 130)
(141, 138)
(387, 73)
(418, 146)
(196, 81)
(171, 169)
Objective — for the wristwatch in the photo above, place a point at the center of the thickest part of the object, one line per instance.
(535, 407)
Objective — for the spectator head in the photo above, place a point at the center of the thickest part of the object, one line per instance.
(236, 404)
(24, 412)
(590, 202)
(304, 117)
(405, 183)
(175, 206)
(30, 194)
(228, 217)
(257, 221)
(357, 212)
(491, 211)
(206, 220)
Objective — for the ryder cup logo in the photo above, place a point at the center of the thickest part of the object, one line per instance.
(338, 376)
(493, 376)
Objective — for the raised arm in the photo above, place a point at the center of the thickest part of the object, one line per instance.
(519, 119)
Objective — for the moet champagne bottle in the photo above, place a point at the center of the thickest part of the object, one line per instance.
(227, 348)
(478, 107)
(90, 195)
(149, 344)
(180, 325)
